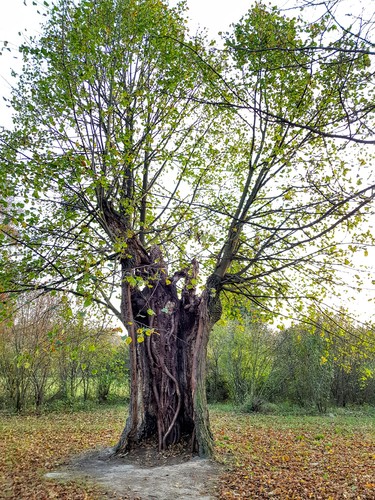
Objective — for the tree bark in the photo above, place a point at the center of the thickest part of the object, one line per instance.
(169, 332)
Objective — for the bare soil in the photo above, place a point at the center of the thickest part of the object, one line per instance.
(144, 474)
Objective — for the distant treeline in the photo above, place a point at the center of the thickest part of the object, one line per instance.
(52, 353)
(318, 363)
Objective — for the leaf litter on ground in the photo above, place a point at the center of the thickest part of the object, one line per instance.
(296, 457)
(264, 456)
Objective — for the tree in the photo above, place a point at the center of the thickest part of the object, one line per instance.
(47, 354)
(350, 350)
(111, 366)
(302, 373)
(326, 357)
(88, 353)
(26, 357)
(240, 358)
(138, 150)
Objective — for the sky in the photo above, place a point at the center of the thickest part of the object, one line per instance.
(215, 15)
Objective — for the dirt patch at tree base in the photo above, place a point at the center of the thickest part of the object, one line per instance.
(145, 474)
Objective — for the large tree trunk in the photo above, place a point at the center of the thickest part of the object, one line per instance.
(169, 332)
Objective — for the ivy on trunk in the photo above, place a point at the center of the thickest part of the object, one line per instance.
(169, 333)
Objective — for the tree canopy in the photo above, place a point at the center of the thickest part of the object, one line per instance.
(226, 156)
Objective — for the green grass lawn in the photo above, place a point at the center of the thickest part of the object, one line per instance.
(265, 456)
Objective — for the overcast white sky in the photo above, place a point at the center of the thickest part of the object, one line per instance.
(215, 15)
(15, 17)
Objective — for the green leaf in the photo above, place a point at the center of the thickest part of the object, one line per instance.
(87, 302)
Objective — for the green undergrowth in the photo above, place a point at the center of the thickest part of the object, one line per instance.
(286, 409)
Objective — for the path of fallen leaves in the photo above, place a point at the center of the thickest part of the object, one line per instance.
(296, 457)
(267, 457)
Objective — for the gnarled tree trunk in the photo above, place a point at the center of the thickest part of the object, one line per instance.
(169, 332)
(169, 329)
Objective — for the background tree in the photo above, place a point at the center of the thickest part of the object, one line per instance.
(47, 355)
(26, 359)
(326, 358)
(240, 358)
(111, 367)
(217, 389)
(137, 151)
(323, 360)
(302, 374)
(350, 351)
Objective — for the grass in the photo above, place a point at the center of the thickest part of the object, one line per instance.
(265, 456)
